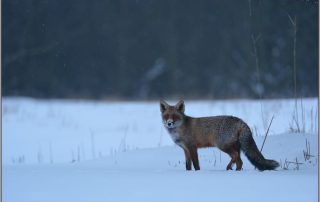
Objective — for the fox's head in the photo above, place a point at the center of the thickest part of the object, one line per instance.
(172, 116)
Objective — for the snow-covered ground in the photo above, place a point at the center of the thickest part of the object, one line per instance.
(56, 150)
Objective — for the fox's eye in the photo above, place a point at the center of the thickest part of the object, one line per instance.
(175, 117)
(166, 116)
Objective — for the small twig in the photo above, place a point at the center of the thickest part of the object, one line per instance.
(287, 163)
(255, 128)
(294, 162)
(294, 25)
(266, 133)
(250, 9)
(292, 21)
(306, 154)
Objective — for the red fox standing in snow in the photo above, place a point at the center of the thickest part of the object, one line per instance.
(228, 133)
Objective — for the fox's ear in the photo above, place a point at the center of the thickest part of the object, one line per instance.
(163, 106)
(180, 106)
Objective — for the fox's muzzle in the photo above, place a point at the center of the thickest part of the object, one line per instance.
(169, 123)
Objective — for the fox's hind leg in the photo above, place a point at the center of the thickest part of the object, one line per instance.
(229, 166)
(239, 162)
(234, 153)
(233, 158)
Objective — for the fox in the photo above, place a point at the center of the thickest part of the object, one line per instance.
(228, 133)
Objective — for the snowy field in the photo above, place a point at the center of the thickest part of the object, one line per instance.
(57, 150)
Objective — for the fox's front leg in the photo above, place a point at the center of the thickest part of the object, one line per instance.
(188, 158)
(194, 157)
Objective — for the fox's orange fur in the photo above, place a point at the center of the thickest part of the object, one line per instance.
(228, 133)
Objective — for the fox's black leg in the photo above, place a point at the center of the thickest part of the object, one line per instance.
(229, 166)
(239, 164)
(238, 160)
(188, 165)
(188, 158)
(234, 152)
(194, 157)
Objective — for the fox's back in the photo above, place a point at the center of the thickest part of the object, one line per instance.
(214, 130)
(218, 124)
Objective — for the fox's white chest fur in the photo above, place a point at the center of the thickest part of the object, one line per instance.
(175, 136)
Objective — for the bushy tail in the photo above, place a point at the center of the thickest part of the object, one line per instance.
(250, 149)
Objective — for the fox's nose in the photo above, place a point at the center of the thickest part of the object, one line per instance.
(169, 122)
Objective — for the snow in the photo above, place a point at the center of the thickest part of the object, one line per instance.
(57, 150)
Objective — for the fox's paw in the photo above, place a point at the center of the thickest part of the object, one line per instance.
(229, 168)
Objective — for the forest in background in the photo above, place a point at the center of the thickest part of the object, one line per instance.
(151, 49)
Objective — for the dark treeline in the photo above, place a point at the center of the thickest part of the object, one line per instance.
(147, 49)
